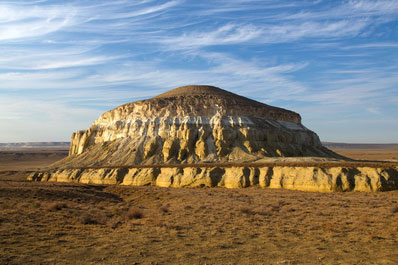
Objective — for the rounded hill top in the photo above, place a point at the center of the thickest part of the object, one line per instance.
(197, 101)
(195, 90)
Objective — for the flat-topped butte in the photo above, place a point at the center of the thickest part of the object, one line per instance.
(204, 124)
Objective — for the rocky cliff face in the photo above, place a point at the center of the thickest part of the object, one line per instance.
(160, 141)
(310, 178)
(192, 124)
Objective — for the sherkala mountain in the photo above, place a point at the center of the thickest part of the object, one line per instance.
(192, 124)
(206, 136)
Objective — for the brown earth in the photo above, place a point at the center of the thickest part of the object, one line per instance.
(19, 160)
(89, 224)
(369, 154)
(65, 223)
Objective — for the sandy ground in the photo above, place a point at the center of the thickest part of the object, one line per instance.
(369, 154)
(64, 223)
(20, 160)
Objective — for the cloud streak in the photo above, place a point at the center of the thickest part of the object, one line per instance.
(338, 55)
(27, 22)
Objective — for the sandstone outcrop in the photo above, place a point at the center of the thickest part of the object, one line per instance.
(192, 124)
(310, 178)
(205, 136)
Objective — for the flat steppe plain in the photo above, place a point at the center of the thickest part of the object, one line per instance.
(67, 223)
(369, 154)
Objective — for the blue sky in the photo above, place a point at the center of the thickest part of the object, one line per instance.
(63, 63)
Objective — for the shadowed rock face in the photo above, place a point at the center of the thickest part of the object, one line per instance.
(192, 124)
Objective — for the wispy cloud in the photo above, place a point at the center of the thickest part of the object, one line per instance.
(371, 45)
(316, 56)
(25, 22)
(226, 34)
(379, 7)
(142, 11)
(36, 59)
(351, 9)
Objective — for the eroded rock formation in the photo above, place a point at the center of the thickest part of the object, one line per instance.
(307, 178)
(158, 142)
(192, 124)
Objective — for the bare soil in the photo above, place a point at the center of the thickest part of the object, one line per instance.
(19, 160)
(66, 223)
(369, 154)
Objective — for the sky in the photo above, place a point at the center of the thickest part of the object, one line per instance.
(64, 63)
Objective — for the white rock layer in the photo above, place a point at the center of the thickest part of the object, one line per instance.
(192, 124)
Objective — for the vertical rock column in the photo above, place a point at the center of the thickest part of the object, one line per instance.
(78, 142)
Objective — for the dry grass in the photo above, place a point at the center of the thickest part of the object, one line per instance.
(368, 154)
(134, 213)
(65, 223)
(29, 160)
(61, 222)
(56, 206)
(88, 219)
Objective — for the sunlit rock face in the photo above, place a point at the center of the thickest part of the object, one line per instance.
(309, 178)
(164, 141)
(192, 124)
